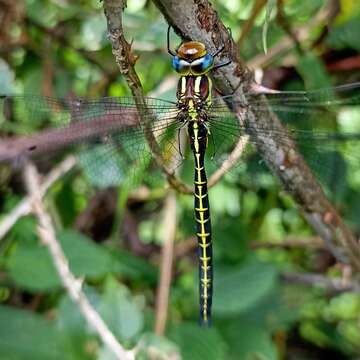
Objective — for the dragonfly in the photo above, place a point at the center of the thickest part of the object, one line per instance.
(125, 139)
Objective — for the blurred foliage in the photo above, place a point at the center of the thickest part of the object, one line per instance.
(60, 48)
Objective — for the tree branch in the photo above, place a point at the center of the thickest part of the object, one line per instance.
(249, 23)
(333, 285)
(24, 207)
(121, 50)
(197, 20)
(232, 159)
(45, 142)
(71, 284)
(313, 242)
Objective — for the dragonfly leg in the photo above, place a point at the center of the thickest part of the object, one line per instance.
(214, 146)
(179, 143)
(232, 92)
(218, 51)
(221, 49)
(222, 64)
(171, 52)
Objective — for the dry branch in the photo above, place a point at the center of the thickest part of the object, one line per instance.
(167, 258)
(44, 142)
(332, 285)
(24, 207)
(71, 284)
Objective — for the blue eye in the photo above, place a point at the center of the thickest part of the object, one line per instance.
(202, 65)
(208, 61)
(176, 63)
(181, 66)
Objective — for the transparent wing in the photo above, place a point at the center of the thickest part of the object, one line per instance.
(325, 125)
(110, 140)
(106, 134)
(299, 101)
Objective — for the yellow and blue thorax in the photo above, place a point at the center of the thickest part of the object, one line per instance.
(193, 62)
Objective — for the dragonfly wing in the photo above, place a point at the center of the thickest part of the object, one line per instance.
(324, 127)
(107, 134)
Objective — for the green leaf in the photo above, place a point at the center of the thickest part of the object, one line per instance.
(269, 8)
(134, 267)
(77, 334)
(122, 312)
(248, 340)
(234, 237)
(313, 72)
(86, 257)
(32, 268)
(345, 36)
(70, 318)
(7, 79)
(238, 288)
(161, 347)
(25, 336)
(197, 343)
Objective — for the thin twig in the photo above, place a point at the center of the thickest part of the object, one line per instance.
(71, 284)
(313, 242)
(284, 24)
(167, 257)
(286, 43)
(248, 24)
(24, 207)
(334, 285)
(185, 247)
(58, 35)
(229, 162)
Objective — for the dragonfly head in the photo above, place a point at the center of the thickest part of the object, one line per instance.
(192, 58)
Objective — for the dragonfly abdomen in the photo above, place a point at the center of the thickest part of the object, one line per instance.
(198, 134)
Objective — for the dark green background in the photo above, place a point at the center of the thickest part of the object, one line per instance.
(59, 48)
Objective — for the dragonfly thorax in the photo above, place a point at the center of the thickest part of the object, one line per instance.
(194, 88)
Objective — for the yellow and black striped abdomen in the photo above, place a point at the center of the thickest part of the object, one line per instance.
(199, 136)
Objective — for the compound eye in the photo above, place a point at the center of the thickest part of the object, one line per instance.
(203, 65)
(180, 66)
